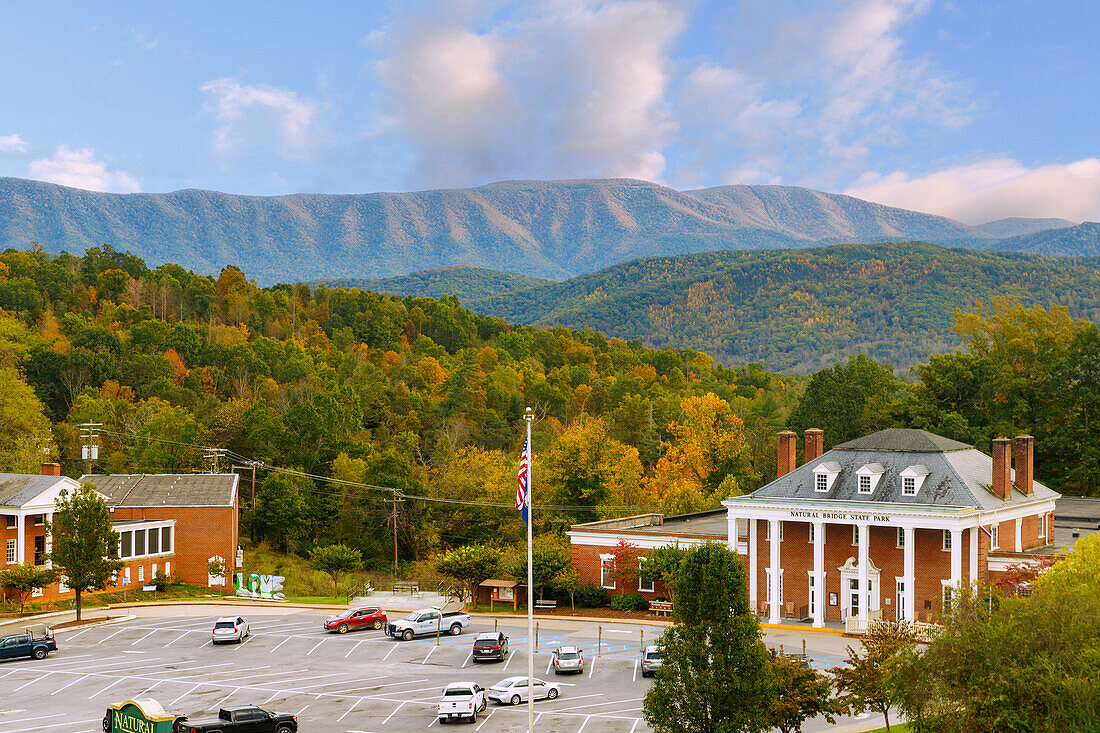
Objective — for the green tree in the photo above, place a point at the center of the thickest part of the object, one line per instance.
(85, 546)
(24, 430)
(336, 560)
(568, 580)
(717, 675)
(23, 580)
(802, 693)
(865, 681)
(281, 511)
(470, 565)
(662, 565)
(546, 563)
(848, 400)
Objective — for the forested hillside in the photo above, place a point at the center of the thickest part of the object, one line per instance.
(797, 310)
(415, 395)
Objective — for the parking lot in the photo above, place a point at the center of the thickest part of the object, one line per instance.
(361, 682)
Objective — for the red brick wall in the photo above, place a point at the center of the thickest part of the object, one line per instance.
(586, 560)
(200, 533)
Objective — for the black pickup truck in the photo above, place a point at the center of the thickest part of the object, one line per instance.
(31, 644)
(250, 719)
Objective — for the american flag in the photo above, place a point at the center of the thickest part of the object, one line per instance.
(523, 497)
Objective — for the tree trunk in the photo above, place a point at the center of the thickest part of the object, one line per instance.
(78, 605)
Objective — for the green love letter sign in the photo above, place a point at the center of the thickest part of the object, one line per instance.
(140, 716)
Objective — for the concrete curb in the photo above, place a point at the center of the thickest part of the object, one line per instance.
(36, 618)
(246, 602)
(104, 622)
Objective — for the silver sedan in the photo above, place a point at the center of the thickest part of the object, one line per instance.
(513, 691)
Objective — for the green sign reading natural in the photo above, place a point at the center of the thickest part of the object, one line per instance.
(140, 716)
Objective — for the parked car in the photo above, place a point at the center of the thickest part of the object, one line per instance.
(248, 719)
(568, 659)
(490, 645)
(428, 621)
(35, 643)
(230, 628)
(513, 691)
(461, 700)
(371, 617)
(651, 661)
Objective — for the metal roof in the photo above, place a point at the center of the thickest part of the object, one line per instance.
(907, 440)
(167, 489)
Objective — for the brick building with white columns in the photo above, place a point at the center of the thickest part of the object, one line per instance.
(887, 525)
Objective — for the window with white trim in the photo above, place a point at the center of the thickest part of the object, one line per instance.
(912, 478)
(9, 556)
(145, 542)
(824, 475)
(994, 536)
(1042, 525)
(768, 531)
(908, 486)
(11, 521)
(141, 573)
(901, 537)
(865, 484)
(855, 534)
(61, 587)
(811, 532)
(821, 482)
(644, 586)
(607, 564)
(946, 540)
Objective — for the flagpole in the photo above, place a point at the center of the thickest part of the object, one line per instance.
(529, 416)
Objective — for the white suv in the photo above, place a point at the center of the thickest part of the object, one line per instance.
(230, 628)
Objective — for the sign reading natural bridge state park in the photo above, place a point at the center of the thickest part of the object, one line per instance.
(140, 716)
(843, 516)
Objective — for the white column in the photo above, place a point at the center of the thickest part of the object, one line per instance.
(753, 595)
(1019, 534)
(910, 576)
(975, 534)
(49, 540)
(773, 608)
(819, 574)
(21, 538)
(864, 542)
(956, 557)
(732, 523)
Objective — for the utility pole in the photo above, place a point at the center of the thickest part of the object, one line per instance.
(213, 454)
(394, 535)
(252, 507)
(89, 449)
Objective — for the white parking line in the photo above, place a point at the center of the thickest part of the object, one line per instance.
(52, 725)
(78, 679)
(486, 720)
(598, 704)
(183, 695)
(135, 643)
(468, 656)
(126, 628)
(244, 641)
(281, 643)
(96, 694)
(70, 638)
(634, 678)
(548, 665)
(391, 651)
(27, 720)
(322, 641)
(592, 669)
(218, 704)
(36, 679)
(584, 724)
(273, 696)
(353, 708)
(353, 648)
(303, 709)
(507, 661)
(430, 653)
(393, 713)
(176, 639)
(636, 721)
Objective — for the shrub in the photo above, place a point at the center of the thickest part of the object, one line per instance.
(591, 596)
(629, 602)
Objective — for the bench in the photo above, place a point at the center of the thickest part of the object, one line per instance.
(407, 588)
(661, 608)
(546, 605)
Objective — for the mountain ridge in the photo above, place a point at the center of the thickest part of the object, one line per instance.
(549, 229)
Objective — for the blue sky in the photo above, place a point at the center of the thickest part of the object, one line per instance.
(975, 110)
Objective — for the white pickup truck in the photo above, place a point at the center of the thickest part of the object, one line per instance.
(428, 621)
(461, 700)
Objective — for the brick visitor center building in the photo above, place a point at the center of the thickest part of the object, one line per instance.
(884, 526)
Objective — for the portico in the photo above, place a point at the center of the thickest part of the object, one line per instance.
(878, 527)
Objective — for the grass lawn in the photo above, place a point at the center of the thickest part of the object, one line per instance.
(894, 728)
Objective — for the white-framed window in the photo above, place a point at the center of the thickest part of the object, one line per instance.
(947, 593)
(145, 542)
(901, 537)
(11, 521)
(912, 478)
(126, 574)
(168, 568)
(607, 564)
(38, 592)
(908, 486)
(61, 587)
(865, 484)
(810, 534)
(772, 585)
(946, 540)
(153, 572)
(821, 482)
(9, 555)
(855, 534)
(824, 475)
(995, 537)
(39, 520)
(141, 573)
(768, 531)
(644, 586)
(1042, 525)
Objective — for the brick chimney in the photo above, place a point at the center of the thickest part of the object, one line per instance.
(1002, 468)
(51, 469)
(1025, 464)
(787, 441)
(815, 443)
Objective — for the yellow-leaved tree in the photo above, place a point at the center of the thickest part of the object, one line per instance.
(708, 461)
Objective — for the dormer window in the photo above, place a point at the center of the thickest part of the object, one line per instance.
(912, 478)
(824, 476)
(867, 477)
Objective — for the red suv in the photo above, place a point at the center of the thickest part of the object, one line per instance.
(356, 618)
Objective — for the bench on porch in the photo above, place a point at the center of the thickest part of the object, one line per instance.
(661, 608)
(545, 605)
(406, 588)
(801, 613)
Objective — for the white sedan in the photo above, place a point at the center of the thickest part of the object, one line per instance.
(513, 691)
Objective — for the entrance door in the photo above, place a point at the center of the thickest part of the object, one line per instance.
(901, 598)
(853, 597)
(813, 597)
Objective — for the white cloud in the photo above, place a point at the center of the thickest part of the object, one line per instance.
(144, 41)
(12, 144)
(562, 89)
(992, 189)
(261, 113)
(81, 169)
